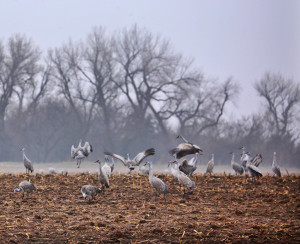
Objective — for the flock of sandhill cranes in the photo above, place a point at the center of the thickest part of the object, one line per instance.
(182, 171)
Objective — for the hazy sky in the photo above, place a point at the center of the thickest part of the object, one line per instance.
(238, 38)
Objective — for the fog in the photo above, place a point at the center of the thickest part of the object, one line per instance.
(125, 79)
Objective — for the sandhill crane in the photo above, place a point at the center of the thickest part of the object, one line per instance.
(132, 163)
(183, 179)
(188, 167)
(244, 159)
(174, 170)
(275, 167)
(156, 183)
(25, 186)
(106, 169)
(236, 166)
(111, 165)
(210, 165)
(103, 176)
(253, 170)
(52, 171)
(184, 149)
(27, 163)
(256, 160)
(89, 191)
(81, 152)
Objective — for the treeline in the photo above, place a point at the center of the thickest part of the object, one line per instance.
(129, 91)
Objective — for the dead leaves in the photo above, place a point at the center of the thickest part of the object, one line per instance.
(222, 208)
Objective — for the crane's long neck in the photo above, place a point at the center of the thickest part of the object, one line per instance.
(232, 157)
(150, 171)
(196, 157)
(100, 169)
(212, 157)
(24, 156)
(274, 158)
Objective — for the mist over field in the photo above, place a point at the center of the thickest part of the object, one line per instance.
(133, 82)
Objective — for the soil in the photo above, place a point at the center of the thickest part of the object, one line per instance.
(222, 208)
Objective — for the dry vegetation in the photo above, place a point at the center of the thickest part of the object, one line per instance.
(221, 208)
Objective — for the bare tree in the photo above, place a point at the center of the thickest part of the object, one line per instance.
(282, 97)
(149, 74)
(64, 63)
(202, 105)
(17, 66)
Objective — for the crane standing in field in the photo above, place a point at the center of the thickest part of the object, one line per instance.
(103, 176)
(275, 167)
(183, 179)
(132, 163)
(89, 191)
(244, 157)
(184, 149)
(25, 186)
(210, 165)
(27, 163)
(156, 183)
(236, 166)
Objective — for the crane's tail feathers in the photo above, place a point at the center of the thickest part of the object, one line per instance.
(150, 151)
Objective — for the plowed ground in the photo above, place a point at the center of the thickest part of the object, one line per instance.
(221, 209)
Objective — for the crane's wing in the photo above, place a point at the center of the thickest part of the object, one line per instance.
(276, 171)
(184, 163)
(140, 156)
(116, 156)
(256, 160)
(192, 161)
(73, 151)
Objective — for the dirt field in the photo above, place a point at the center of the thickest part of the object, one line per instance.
(221, 209)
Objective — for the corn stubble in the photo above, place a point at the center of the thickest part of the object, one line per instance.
(222, 208)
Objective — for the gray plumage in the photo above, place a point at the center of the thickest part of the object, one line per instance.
(275, 167)
(184, 149)
(156, 183)
(244, 157)
(210, 165)
(52, 171)
(183, 179)
(132, 163)
(253, 170)
(27, 163)
(189, 167)
(236, 166)
(256, 160)
(110, 164)
(25, 186)
(81, 152)
(89, 191)
(103, 176)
